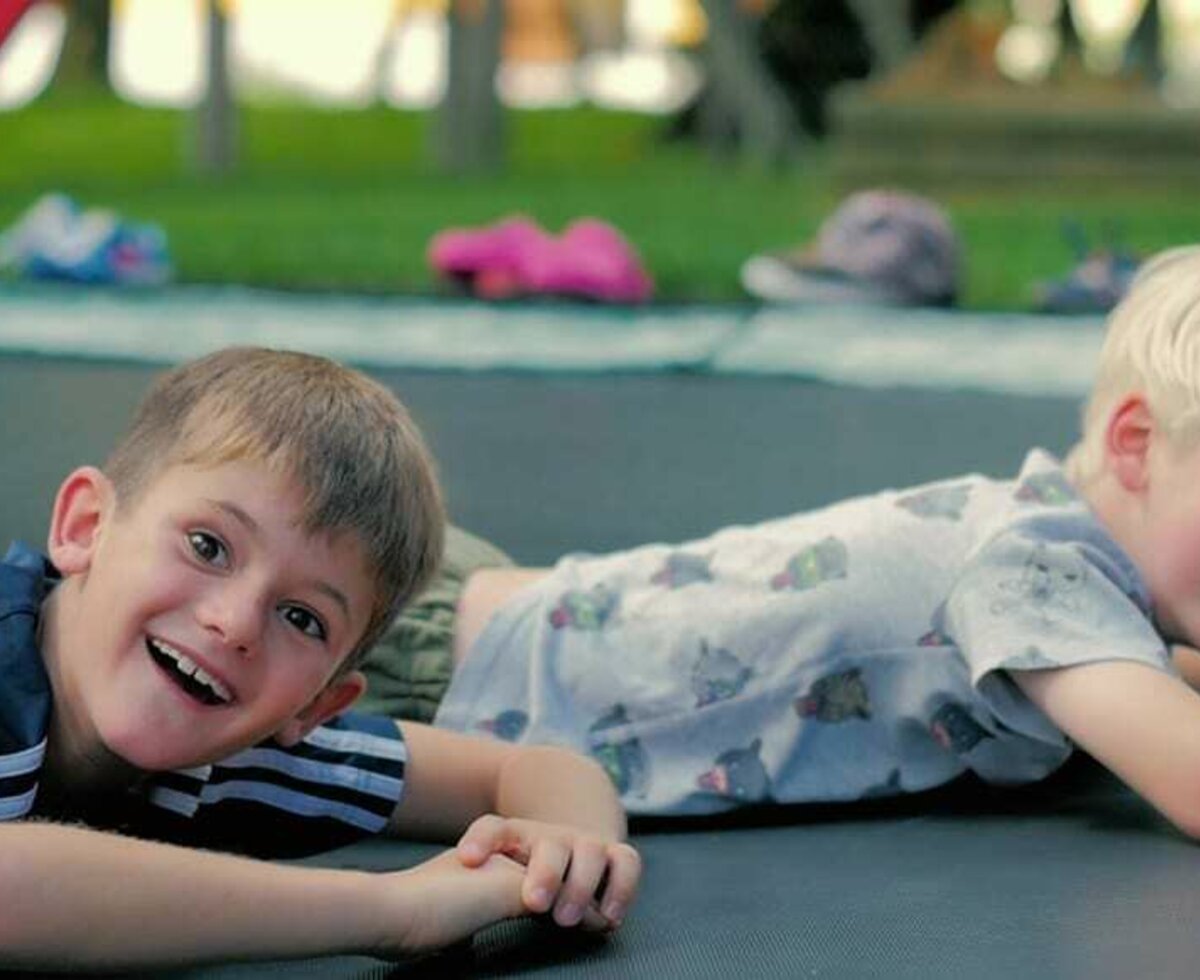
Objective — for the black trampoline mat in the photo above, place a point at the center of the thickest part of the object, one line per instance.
(1075, 878)
(1080, 880)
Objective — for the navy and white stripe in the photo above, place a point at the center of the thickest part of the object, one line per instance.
(350, 771)
(19, 780)
(24, 686)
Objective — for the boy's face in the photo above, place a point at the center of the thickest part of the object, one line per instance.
(202, 619)
(1168, 548)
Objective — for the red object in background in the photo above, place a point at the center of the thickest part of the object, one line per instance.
(516, 257)
(11, 11)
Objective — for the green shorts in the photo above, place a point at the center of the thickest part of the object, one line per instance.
(409, 669)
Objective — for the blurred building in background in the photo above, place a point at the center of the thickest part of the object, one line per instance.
(939, 78)
(1042, 90)
(639, 54)
(623, 53)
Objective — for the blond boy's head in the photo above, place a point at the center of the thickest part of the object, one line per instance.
(344, 440)
(1152, 347)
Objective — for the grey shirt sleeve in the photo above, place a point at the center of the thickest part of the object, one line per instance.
(1047, 592)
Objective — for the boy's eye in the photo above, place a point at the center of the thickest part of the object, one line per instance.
(305, 621)
(208, 548)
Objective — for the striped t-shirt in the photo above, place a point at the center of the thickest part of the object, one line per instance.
(340, 783)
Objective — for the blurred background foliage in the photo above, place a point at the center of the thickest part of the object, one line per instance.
(325, 196)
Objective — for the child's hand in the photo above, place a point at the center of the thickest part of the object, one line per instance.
(580, 878)
(442, 902)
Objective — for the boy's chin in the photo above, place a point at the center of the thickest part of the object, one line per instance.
(105, 763)
(142, 759)
(134, 750)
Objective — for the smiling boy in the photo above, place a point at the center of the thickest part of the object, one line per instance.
(180, 668)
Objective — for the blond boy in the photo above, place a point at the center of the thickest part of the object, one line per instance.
(891, 643)
(188, 678)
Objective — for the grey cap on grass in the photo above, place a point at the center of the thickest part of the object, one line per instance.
(879, 246)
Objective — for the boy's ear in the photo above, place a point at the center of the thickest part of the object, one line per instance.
(1127, 440)
(82, 505)
(335, 698)
(1131, 428)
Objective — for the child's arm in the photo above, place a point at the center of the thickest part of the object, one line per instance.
(552, 810)
(1187, 662)
(1142, 724)
(74, 898)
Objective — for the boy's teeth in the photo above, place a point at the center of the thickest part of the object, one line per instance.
(186, 666)
(166, 648)
(206, 678)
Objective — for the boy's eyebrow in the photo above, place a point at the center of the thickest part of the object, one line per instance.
(236, 512)
(335, 594)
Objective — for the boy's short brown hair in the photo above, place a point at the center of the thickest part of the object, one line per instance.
(346, 440)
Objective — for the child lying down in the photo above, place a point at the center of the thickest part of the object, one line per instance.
(882, 645)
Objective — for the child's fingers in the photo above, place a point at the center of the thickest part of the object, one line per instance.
(589, 861)
(544, 874)
(624, 875)
(486, 836)
(593, 921)
(578, 880)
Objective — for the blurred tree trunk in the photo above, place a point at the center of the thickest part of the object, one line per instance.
(469, 131)
(216, 116)
(599, 24)
(385, 55)
(887, 25)
(1144, 53)
(84, 58)
(1143, 50)
(744, 101)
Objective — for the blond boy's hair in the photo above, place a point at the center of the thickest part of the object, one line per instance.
(344, 439)
(1152, 346)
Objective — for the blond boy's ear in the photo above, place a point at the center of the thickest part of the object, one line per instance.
(335, 698)
(1127, 439)
(81, 506)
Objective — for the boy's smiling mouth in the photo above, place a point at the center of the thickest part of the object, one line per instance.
(193, 679)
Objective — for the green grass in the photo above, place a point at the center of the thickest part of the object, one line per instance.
(329, 200)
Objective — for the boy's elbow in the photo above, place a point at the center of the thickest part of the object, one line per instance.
(588, 764)
(1188, 826)
(1187, 823)
(534, 753)
(1182, 808)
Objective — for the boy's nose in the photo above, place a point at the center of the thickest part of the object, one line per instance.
(235, 614)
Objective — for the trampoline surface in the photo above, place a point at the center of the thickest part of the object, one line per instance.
(1075, 878)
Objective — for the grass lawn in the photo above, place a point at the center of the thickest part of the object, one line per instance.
(347, 200)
